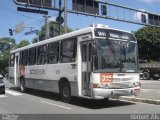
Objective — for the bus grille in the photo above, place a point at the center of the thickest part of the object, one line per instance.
(121, 79)
(120, 85)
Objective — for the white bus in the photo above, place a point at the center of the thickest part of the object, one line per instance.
(96, 62)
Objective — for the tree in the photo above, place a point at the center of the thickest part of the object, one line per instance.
(148, 43)
(4, 59)
(53, 31)
(6, 44)
(5, 53)
(7, 39)
(22, 43)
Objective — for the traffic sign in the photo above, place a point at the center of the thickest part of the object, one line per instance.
(19, 27)
(31, 32)
(60, 19)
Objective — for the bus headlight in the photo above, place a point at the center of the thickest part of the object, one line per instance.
(136, 84)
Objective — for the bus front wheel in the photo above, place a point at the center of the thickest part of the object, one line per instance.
(65, 92)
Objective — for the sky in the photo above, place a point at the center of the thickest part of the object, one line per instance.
(10, 17)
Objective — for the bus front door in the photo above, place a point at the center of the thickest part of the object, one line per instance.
(86, 67)
(16, 69)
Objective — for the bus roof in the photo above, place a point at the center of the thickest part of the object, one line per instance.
(64, 36)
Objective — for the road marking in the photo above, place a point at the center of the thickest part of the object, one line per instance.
(13, 93)
(2, 96)
(56, 105)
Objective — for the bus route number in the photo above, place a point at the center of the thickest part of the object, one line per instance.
(106, 77)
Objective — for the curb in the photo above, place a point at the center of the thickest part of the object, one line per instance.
(142, 100)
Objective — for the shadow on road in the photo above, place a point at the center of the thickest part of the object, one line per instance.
(81, 102)
(99, 104)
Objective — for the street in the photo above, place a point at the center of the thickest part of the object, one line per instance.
(150, 84)
(39, 102)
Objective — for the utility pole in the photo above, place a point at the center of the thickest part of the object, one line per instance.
(65, 16)
(46, 27)
(60, 12)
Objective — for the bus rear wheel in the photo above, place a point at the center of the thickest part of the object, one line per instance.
(65, 92)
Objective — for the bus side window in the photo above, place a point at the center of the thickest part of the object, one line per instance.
(68, 50)
(41, 55)
(53, 53)
(24, 57)
(32, 56)
(12, 60)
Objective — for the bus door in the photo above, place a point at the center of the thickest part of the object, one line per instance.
(16, 68)
(86, 67)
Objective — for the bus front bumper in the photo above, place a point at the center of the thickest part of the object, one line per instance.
(101, 93)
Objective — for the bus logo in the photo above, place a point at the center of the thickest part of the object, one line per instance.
(106, 77)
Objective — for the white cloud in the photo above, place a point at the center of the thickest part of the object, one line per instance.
(151, 1)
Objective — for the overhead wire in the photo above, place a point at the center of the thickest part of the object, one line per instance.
(4, 7)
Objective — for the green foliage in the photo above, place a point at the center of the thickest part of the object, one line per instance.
(4, 53)
(34, 40)
(7, 39)
(22, 43)
(148, 43)
(4, 59)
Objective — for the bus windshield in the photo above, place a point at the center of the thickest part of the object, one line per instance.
(115, 56)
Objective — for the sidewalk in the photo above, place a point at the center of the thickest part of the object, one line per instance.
(151, 96)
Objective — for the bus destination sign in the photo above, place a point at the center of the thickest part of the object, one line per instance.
(109, 33)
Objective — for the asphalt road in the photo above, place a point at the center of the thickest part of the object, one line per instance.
(150, 84)
(39, 102)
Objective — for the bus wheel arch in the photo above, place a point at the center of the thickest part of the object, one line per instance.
(65, 90)
(22, 84)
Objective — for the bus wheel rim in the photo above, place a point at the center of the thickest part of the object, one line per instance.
(65, 92)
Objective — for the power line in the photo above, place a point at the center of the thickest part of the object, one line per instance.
(35, 22)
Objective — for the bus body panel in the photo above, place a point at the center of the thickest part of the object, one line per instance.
(46, 77)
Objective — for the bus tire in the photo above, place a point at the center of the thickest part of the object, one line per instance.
(146, 75)
(22, 86)
(65, 92)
